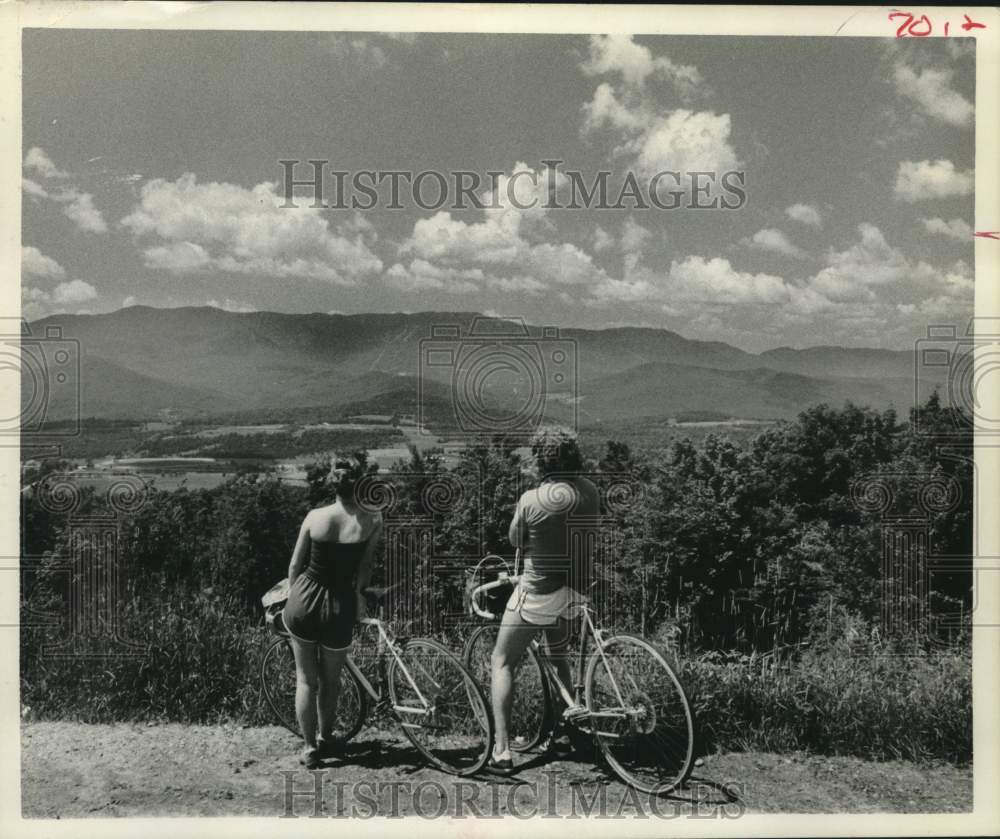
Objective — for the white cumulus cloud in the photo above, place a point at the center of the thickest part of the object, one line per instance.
(36, 160)
(74, 291)
(230, 228)
(774, 240)
(931, 89)
(923, 180)
(805, 214)
(37, 264)
(229, 305)
(654, 137)
(955, 229)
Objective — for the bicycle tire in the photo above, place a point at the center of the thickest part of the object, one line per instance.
(648, 742)
(277, 682)
(448, 720)
(530, 719)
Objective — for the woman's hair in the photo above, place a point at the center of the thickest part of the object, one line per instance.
(344, 476)
(556, 451)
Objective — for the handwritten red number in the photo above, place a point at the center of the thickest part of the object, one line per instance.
(946, 24)
(971, 24)
(902, 29)
(909, 26)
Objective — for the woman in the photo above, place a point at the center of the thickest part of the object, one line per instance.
(557, 570)
(330, 568)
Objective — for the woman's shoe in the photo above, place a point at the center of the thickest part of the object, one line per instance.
(332, 747)
(310, 758)
(501, 764)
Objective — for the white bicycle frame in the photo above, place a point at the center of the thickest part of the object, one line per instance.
(386, 642)
(504, 579)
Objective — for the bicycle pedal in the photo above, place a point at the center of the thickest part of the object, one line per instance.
(575, 713)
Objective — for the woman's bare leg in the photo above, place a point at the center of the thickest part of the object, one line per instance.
(513, 638)
(331, 664)
(306, 688)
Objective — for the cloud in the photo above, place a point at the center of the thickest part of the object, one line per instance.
(129, 301)
(959, 48)
(620, 54)
(74, 291)
(34, 189)
(694, 281)
(504, 245)
(634, 236)
(77, 206)
(36, 160)
(954, 229)
(653, 137)
(81, 210)
(225, 227)
(925, 180)
(421, 275)
(358, 50)
(931, 90)
(229, 305)
(850, 274)
(35, 263)
(602, 239)
(177, 257)
(873, 271)
(37, 303)
(679, 141)
(805, 214)
(775, 241)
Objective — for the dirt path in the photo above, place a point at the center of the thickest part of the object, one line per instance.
(74, 770)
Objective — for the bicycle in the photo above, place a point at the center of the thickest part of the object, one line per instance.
(439, 705)
(637, 711)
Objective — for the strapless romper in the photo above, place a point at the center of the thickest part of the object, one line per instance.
(322, 604)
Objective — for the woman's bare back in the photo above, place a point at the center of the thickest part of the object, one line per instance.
(335, 523)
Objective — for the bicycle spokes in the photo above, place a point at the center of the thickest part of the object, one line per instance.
(441, 708)
(640, 715)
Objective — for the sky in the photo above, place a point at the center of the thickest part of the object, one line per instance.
(152, 176)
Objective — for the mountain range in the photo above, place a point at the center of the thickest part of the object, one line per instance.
(140, 362)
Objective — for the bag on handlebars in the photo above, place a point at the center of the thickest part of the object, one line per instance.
(274, 602)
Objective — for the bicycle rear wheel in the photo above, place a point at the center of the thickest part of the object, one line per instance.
(530, 711)
(277, 682)
(441, 707)
(640, 715)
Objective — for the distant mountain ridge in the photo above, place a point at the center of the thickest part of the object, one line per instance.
(196, 361)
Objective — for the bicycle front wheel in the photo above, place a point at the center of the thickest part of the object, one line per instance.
(528, 715)
(640, 715)
(277, 682)
(440, 706)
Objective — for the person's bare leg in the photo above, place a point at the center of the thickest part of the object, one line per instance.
(512, 640)
(557, 638)
(306, 688)
(331, 665)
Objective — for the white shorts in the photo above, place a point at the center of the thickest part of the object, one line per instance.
(544, 609)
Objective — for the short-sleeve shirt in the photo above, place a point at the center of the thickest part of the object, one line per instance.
(557, 522)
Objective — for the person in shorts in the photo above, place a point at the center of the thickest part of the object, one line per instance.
(330, 568)
(549, 526)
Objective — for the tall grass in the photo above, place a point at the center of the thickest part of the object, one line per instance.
(872, 702)
(201, 664)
